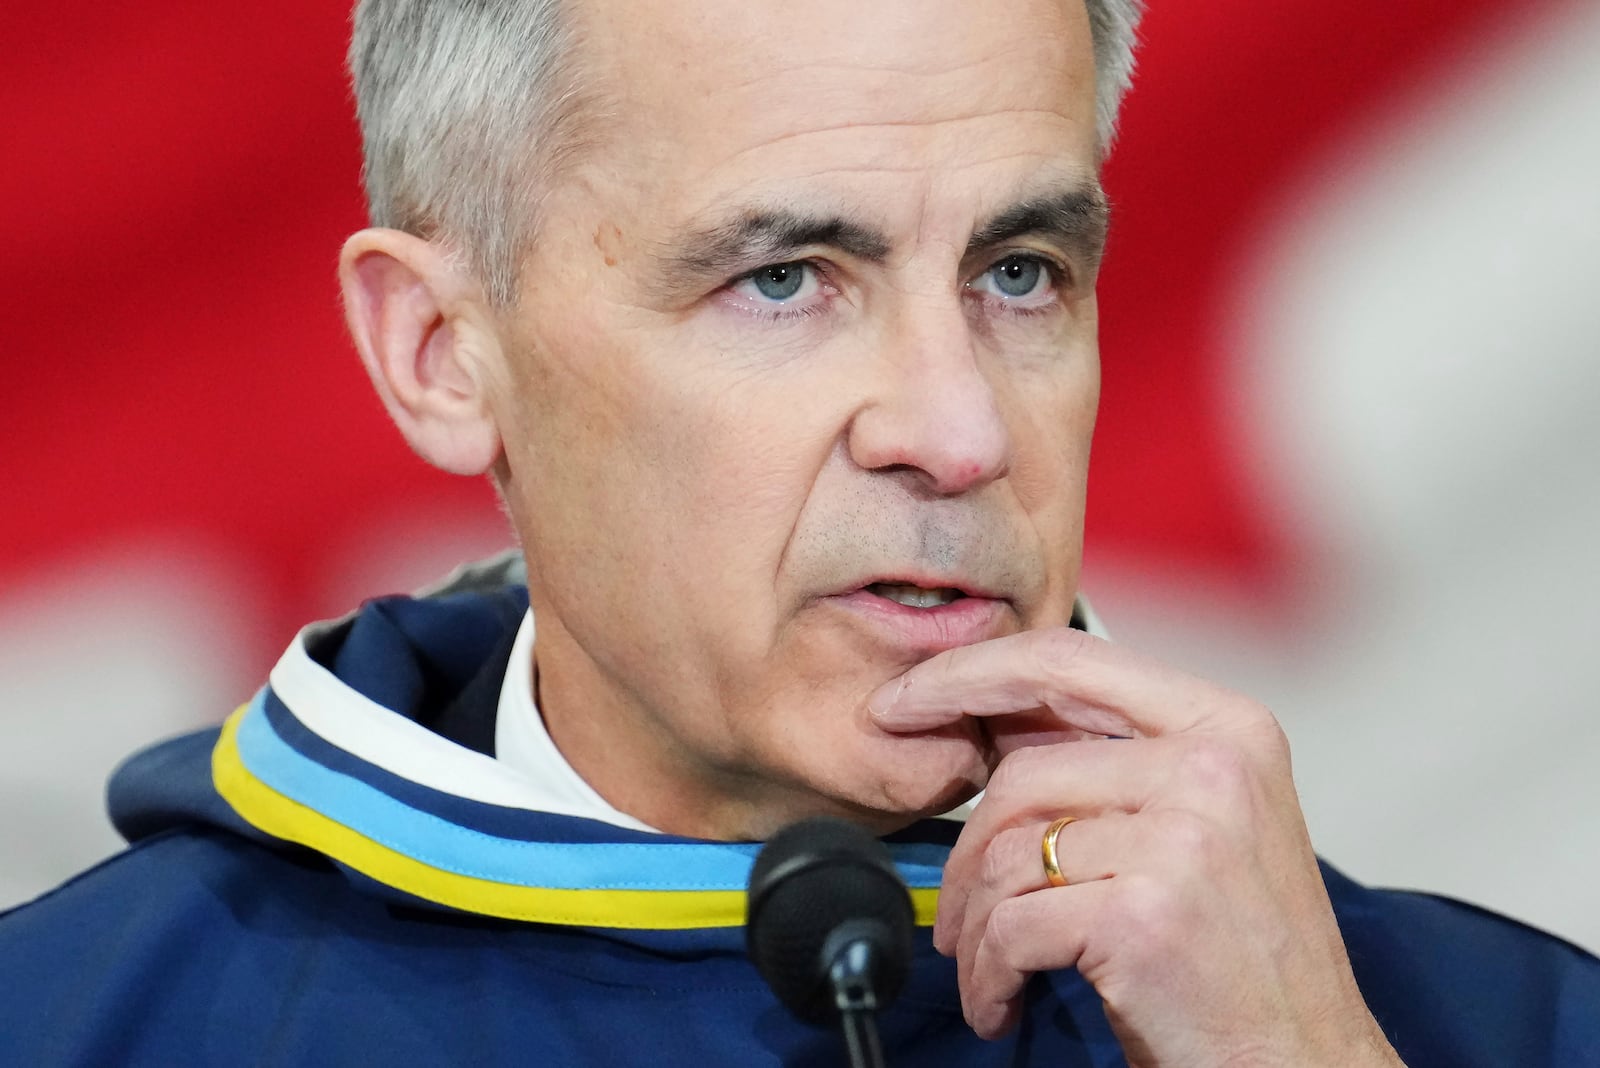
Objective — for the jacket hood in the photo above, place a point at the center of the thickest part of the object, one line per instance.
(372, 745)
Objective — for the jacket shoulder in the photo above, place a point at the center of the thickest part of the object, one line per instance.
(1452, 983)
(177, 919)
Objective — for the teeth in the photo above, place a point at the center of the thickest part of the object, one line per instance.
(915, 596)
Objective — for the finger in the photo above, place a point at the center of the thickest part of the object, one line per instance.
(1036, 932)
(1013, 864)
(1213, 779)
(1086, 682)
(1031, 787)
(1087, 850)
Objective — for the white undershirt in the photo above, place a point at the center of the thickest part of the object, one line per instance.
(522, 743)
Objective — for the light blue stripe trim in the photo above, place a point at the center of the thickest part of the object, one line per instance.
(451, 847)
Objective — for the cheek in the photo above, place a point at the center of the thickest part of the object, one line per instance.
(1049, 476)
(1052, 418)
(722, 475)
(743, 478)
(701, 479)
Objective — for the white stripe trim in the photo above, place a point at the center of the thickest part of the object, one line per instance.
(365, 729)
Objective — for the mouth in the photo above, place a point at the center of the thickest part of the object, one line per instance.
(914, 596)
(913, 618)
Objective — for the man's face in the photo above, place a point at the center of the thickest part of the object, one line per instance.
(812, 324)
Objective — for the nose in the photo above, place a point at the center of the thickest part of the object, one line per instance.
(935, 414)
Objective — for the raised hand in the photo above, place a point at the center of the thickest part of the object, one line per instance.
(1192, 900)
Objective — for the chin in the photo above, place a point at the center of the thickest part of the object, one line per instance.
(916, 776)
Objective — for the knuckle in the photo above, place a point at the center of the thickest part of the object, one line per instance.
(1015, 772)
(997, 862)
(1261, 726)
(1215, 766)
(1147, 912)
(1010, 857)
(1055, 649)
(1006, 932)
(1275, 741)
(1241, 710)
(1002, 780)
(1187, 837)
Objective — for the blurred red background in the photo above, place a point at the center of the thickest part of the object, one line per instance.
(178, 178)
(182, 175)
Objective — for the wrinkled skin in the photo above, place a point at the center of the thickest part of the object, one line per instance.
(695, 469)
(711, 447)
(1193, 902)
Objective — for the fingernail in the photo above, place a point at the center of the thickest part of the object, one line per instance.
(884, 697)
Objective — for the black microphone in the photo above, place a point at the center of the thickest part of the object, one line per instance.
(829, 925)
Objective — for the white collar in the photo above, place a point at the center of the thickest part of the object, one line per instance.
(522, 743)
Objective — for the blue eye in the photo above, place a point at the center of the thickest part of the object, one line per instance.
(780, 281)
(1017, 276)
(787, 290)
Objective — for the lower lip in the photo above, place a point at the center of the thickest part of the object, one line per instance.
(927, 631)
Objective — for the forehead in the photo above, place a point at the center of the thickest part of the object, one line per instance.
(842, 101)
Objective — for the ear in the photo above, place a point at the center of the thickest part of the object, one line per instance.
(429, 343)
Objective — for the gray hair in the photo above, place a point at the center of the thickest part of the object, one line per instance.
(469, 107)
(1114, 25)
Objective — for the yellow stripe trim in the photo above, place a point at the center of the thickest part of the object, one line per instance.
(282, 817)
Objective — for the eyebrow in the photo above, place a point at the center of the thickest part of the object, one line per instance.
(1076, 219)
(771, 236)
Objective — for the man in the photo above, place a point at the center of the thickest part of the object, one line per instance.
(776, 331)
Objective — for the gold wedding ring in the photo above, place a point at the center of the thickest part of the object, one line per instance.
(1052, 867)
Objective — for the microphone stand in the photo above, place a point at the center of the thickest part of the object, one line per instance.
(851, 975)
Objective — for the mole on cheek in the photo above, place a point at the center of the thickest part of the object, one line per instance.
(608, 239)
